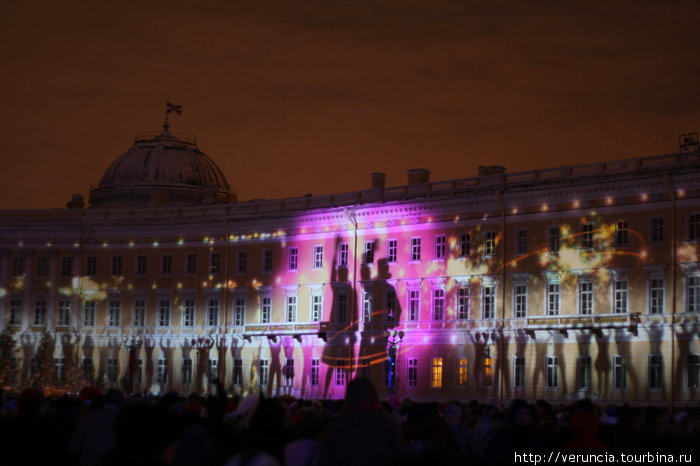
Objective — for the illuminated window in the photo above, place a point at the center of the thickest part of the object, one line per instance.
(318, 257)
(293, 259)
(462, 371)
(112, 370)
(88, 369)
(15, 317)
(58, 366)
(436, 373)
(693, 294)
(191, 263)
(438, 304)
(553, 237)
(413, 304)
(141, 265)
(66, 266)
(621, 233)
(415, 249)
(265, 309)
(488, 301)
(391, 250)
(242, 261)
(187, 371)
(188, 313)
(267, 260)
(40, 312)
(342, 306)
(488, 371)
(585, 371)
(465, 244)
(89, 313)
(139, 312)
(655, 372)
(412, 372)
(17, 266)
(91, 266)
(291, 309)
(552, 372)
(289, 372)
(264, 367)
(162, 371)
(693, 227)
(63, 312)
(316, 307)
(518, 372)
(620, 304)
(369, 252)
(585, 297)
(619, 373)
(213, 312)
(490, 244)
(315, 369)
(164, 312)
(692, 376)
(440, 247)
(521, 241)
(343, 255)
(367, 306)
(238, 372)
(586, 235)
(656, 230)
(463, 302)
(42, 266)
(166, 263)
(553, 299)
(520, 300)
(215, 262)
(656, 296)
(212, 371)
(239, 310)
(391, 303)
(116, 266)
(339, 376)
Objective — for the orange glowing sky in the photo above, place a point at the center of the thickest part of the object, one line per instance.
(304, 97)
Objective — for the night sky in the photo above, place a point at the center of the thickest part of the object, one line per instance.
(312, 98)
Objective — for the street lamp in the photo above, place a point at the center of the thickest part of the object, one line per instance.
(393, 339)
(133, 344)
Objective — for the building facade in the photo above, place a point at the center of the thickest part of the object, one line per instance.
(577, 281)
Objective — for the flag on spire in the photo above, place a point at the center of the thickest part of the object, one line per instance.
(172, 108)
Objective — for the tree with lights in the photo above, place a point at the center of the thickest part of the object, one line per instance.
(43, 365)
(8, 362)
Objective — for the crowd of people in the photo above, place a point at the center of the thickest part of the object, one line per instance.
(109, 429)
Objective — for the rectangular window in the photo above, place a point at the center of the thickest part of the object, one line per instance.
(315, 370)
(191, 263)
(114, 311)
(316, 307)
(585, 372)
(364, 368)
(58, 366)
(212, 371)
(162, 371)
(187, 371)
(339, 376)
(238, 372)
(440, 247)
(265, 309)
(63, 312)
(692, 377)
(369, 252)
(112, 370)
(166, 262)
(88, 369)
(267, 260)
(488, 371)
(518, 372)
(463, 302)
(164, 312)
(141, 265)
(293, 259)
(367, 306)
(188, 309)
(655, 372)
(17, 266)
(391, 304)
(412, 372)
(89, 313)
(462, 371)
(242, 261)
(263, 372)
(490, 244)
(239, 311)
(413, 304)
(553, 237)
(656, 296)
(585, 298)
(438, 304)
(391, 250)
(521, 241)
(66, 266)
(619, 373)
(693, 227)
(139, 313)
(116, 266)
(15, 317)
(693, 294)
(656, 231)
(343, 255)
(415, 249)
(436, 373)
(289, 372)
(488, 303)
(553, 299)
(465, 244)
(40, 312)
(620, 305)
(520, 300)
(586, 235)
(213, 312)
(342, 307)
(318, 257)
(621, 233)
(291, 309)
(552, 368)
(138, 371)
(91, 266)
(215, 262)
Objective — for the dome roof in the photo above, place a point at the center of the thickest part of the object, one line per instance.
(162, 169)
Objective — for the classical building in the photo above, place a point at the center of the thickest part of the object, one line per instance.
(575, 281)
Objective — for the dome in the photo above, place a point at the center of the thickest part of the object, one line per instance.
(162, 169)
